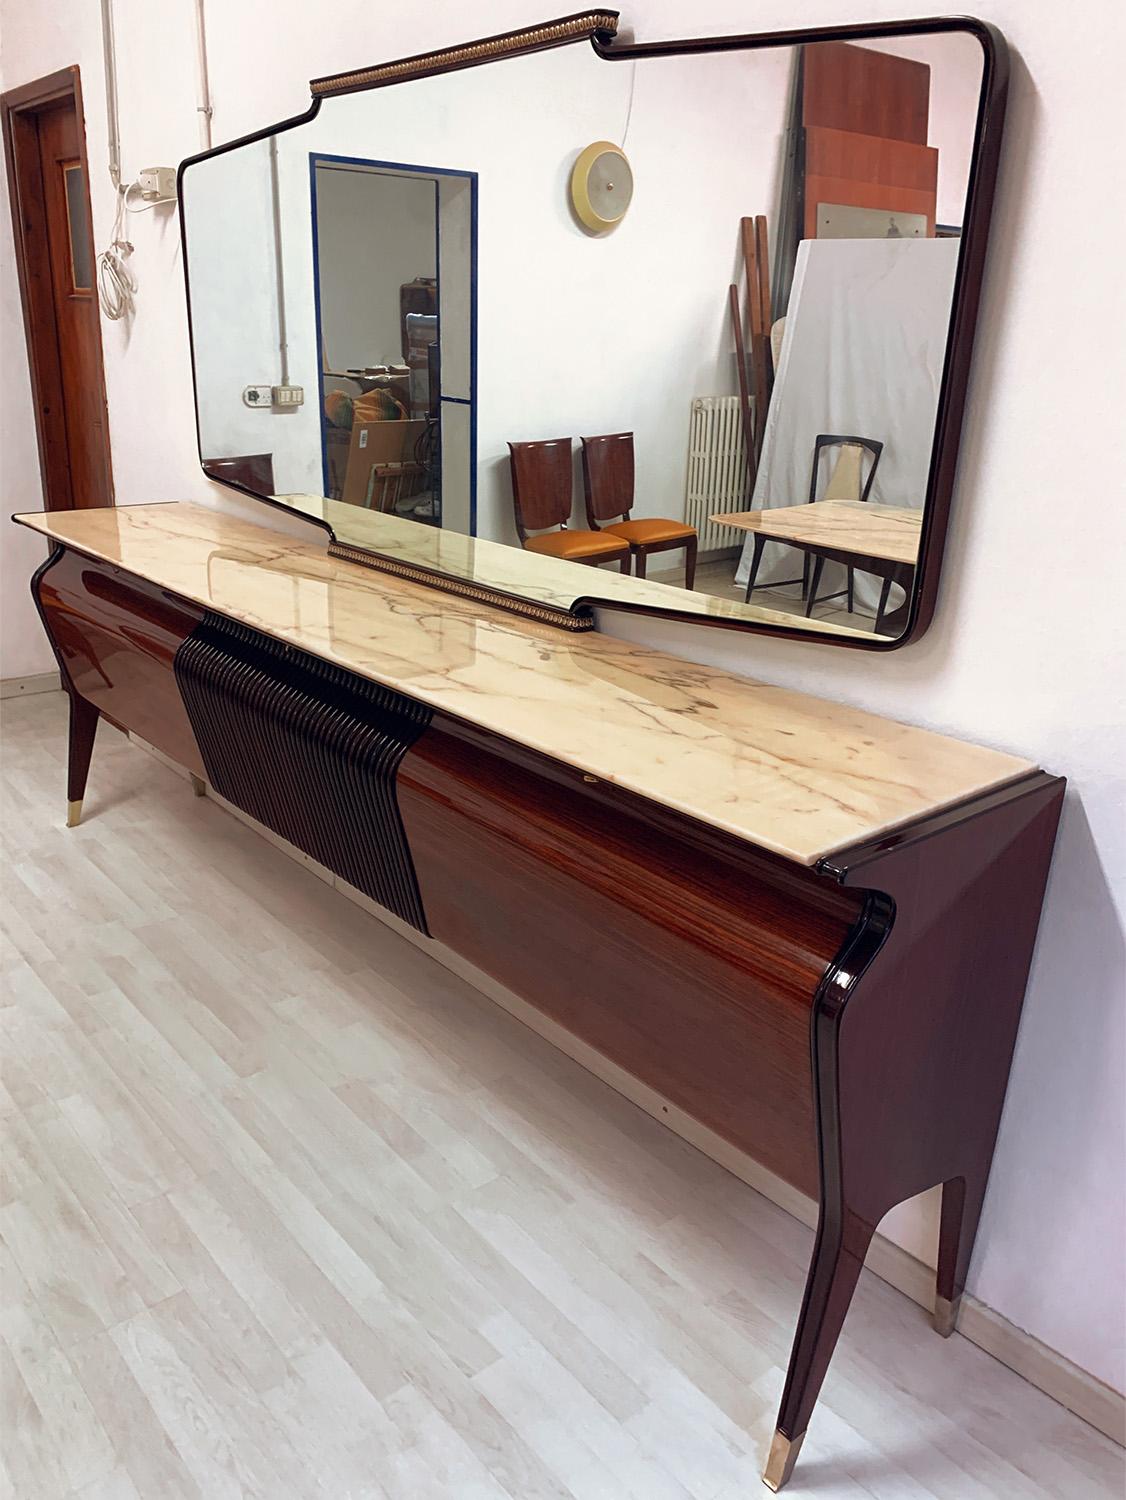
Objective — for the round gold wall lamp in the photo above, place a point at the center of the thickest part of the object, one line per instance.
(601, 187)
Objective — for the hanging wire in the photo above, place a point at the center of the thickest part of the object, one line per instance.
(117, 285)
(629, 106)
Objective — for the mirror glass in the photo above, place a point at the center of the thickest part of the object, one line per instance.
(650, 331)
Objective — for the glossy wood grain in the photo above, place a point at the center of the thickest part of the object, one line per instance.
(862, 90)
(913, 1040)
(116, 637)
(679, 956)
(868, 172)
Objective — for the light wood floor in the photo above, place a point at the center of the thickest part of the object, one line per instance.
(291, 1211)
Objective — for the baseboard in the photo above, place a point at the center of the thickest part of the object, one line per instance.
(22, 687)
(1045, 1368)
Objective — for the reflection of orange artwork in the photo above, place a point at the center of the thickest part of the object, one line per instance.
(865, 117)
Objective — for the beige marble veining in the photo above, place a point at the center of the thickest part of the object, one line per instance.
(794, 774)
(888, 531)
(531, 575)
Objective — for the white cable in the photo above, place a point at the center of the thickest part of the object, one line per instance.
(116, 283)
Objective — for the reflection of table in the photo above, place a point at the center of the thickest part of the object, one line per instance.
(880, 539)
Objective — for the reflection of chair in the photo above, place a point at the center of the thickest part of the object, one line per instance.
(254, 471)
(608, 481)
(390, 483)
(541, 496)
(846, 482)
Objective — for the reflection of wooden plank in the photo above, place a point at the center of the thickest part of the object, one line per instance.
(755, 328)
(873, 158)
(744, 392)
(762, 252)
(861, 89)
(868, 172)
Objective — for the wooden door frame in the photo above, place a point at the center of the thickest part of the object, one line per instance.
(18, 107)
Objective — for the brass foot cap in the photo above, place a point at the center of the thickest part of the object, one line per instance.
(946, 1315)
(780, 1463)
(74, 813)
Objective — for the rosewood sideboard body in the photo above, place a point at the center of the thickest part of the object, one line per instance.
(808, 927)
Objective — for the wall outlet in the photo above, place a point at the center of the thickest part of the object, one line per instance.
(289, 395)
(157, 184)
(259, 395)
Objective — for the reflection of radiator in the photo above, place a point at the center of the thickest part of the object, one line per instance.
(717, 468)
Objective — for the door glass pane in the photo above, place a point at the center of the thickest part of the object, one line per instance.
(78, 219)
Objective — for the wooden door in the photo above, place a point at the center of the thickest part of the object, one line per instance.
(48, 178)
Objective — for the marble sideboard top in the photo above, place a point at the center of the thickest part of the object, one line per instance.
(797, 775)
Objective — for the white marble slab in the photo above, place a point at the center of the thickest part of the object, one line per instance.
(887, 531)
(793, 774)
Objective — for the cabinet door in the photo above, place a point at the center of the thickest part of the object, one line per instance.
(679, 956)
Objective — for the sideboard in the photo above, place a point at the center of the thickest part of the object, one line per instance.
(808, 926)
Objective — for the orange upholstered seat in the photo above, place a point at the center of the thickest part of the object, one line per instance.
(608, 481)
(541, 496)
(645, 532)
(579, 546)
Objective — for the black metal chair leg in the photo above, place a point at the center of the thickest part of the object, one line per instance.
(884, 592)
(812, 600)
(756, 558)
(849, 587)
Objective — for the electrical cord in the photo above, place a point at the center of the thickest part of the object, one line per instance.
(117, 285)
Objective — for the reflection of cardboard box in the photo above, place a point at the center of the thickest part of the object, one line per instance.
(377, 443)
(337, 442)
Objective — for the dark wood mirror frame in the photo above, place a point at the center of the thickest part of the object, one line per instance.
(599, 28)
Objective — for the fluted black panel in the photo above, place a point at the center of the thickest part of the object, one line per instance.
(308, 749)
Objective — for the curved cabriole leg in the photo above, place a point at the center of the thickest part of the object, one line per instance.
(83, 727)
(838, 1258)
(910, 1066)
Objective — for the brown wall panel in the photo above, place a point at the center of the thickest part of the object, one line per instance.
(862, 89)
(868, 172)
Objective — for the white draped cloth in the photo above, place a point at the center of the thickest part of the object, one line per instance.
(863, 352)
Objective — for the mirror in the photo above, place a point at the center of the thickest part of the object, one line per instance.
(679, 328)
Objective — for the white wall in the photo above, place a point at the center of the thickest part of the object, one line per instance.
(956, 61)
(1026, 653)
(374, 232)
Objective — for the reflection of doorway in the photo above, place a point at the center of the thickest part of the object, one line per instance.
(394, 289)
(48, 180)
